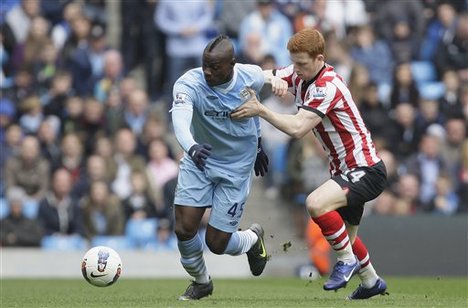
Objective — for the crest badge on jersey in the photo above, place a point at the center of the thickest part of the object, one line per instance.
(180, 98)
(244, 95)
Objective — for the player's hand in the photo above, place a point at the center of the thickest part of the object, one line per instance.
(249, 109)
(262, 161)
(279, 87)
(199, 153)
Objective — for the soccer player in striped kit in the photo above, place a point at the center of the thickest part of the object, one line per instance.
(357, 174)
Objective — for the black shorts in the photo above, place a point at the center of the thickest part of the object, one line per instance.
(363, 184)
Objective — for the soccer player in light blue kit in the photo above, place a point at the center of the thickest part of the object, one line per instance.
(219, 156)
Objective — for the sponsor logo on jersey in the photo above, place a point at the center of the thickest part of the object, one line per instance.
(319, 92)
(217, 114)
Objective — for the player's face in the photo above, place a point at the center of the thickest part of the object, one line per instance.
(217, 68)
(306, 67)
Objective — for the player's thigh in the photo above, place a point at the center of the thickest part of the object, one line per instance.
(229, 200)
(194, 188)
(327, 197)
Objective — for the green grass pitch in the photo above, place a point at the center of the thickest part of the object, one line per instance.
(258, 292)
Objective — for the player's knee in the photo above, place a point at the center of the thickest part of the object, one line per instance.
(183, 233)
(314, 205)
(216, 247)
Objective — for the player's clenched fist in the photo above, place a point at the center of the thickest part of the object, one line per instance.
(279, 86)
(199, 153)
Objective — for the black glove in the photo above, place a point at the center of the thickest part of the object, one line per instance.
(199, 153)
(261, 162)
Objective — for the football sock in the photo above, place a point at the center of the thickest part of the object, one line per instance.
(191, 257)
(240, 242)
(334, 230)
(367, 272)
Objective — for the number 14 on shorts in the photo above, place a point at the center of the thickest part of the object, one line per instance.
(355, 176)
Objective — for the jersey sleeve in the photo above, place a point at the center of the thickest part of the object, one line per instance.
(183, 97)
(321, 98)
(256, 73)
(286, 74)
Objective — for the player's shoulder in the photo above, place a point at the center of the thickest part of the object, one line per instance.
(193, 76)
(248, 68)
(327, 78)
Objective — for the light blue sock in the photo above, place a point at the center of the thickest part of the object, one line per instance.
(191, 257)
(240, 242)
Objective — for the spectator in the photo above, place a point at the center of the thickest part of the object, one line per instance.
(32, 115)
(452, 53)
(28, 53)
(48, 135)
(56, 97)
(231, 17)
(95, 171)
(403, 44)
(156, 128)
(78, 38)
(184, 24)
(450, 104)
(443, 25)
(92, 123)
(46, 66)
(62, 30)
(160, 169)
(427, 164)
(17, 230)
(389, 13)
(272, 26)
(102, 212)
(404, 88)
(445, 201)
(73, 116)
(59, 213)
(139, 204)
(29, 170)
(10, 147)
(125, 162)
(19, 18)
(72, 156)
(136, 111)
(375, 55)
(7, 115)
(86, 61)
(112, 73)
(166, 239)
(452, 149)
(407, 200)
(104, 148)
(403, 136)
(374, 114)
(359, 79)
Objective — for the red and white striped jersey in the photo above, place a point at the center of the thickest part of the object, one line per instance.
(342, 131)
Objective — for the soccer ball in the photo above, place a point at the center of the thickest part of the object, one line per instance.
(101, 266)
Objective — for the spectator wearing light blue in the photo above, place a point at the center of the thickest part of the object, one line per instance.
(274, 28)
(185, 24)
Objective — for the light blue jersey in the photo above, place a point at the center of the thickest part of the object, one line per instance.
(224, 184)
(234, 142)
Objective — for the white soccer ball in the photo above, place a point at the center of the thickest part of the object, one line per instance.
(101, 266)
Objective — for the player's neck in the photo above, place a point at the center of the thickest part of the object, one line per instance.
(320, 67)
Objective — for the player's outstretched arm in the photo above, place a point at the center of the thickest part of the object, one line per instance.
(296, 126)
(279, 86)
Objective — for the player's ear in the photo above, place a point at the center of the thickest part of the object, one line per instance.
(321, 57)
(233, 61)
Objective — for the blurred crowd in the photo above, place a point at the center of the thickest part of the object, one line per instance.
(87, 149)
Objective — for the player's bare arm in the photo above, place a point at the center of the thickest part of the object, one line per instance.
(296, 126)
(279, 86)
